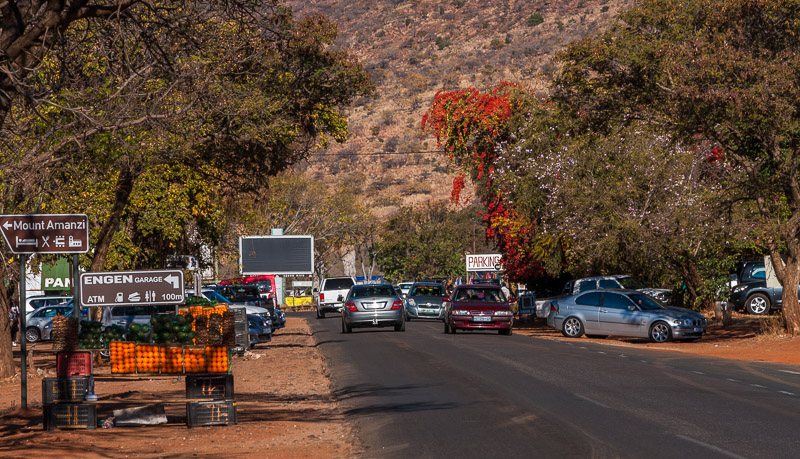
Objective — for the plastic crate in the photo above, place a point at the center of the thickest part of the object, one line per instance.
(218, 387)
(70, 416)
(69, 389)
(73, 364)
(216, 413)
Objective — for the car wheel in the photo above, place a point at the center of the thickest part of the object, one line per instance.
(660, 332)
(757, 304)
(320, 314)
(32, 334)
(401, 326)
(505, 331)
(597, 336)
(572, 327)
(346, 328)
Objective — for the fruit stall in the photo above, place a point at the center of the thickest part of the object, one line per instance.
(194, 344)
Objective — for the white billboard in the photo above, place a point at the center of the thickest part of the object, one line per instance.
(485, 262)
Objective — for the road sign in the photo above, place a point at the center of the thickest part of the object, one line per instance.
(46, 233)
(484, 262)
(132, 287)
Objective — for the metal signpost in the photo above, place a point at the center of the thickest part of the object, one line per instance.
(131, 287)
(42, 233)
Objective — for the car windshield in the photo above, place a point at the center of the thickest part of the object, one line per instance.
(338, 284)
(428, 290)
(264, 285)
(212, 295)
(488, 294)
(644, 302)
(631, 283)
(373, 290)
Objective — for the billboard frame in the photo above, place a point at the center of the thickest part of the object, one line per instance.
(250, 272)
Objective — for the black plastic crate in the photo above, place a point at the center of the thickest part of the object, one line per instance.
(70, 416)
(61, 390)
(216, 386)
(218, 413)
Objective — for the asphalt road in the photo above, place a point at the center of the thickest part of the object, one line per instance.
(421, 393)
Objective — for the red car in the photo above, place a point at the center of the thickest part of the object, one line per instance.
(478, 307)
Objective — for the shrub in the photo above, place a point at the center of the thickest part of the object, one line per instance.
(497, 44)
(442, 42)
(535, 19)
(459, 3)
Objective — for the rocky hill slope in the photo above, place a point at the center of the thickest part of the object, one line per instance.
(414, 48)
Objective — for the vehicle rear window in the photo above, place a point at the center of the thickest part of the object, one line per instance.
(338, 284)
(588, 285)
(631, 283)
(428, 290)
(608, 283)
(367, 291)
(589, 299)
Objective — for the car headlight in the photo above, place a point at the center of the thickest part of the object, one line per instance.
(739, 288)
(682, 322)
(460, 312)
(502, 313)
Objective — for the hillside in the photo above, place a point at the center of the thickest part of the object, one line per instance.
(414, 48)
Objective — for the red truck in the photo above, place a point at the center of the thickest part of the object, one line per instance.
(265, 282)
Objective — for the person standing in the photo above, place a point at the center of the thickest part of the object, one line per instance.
(13, 317)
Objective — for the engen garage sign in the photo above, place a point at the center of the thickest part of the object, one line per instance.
(132, 287)
(486, 262)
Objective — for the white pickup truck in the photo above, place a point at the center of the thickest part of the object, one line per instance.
(331, 293)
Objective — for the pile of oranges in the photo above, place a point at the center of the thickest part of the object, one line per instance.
(147, 358)
(122, 357)
(172, 359)
(194, 359)
(217, 359)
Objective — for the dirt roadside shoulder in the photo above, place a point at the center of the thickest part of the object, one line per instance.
(284, 409)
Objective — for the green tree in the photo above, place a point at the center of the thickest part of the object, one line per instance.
(430, 241)
(720, 72)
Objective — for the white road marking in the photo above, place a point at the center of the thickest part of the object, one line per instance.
(790, 372)
(759, 386)
(711, 447)
(600, 352)
(583, 397)
(733, 380)
(698, 372)
(784, 392)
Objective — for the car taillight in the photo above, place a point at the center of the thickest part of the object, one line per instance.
(554, 307)
(446, 299)
(397, 304)
(351, 306)
(322, 297)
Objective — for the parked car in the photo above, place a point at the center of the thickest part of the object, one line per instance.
(426, 300)
(265, 283)
(35, 302)
(248, 296)
(373, 305)
(751, 292)
(260, 329)
(39, 323)
(478, 307)
(331, 293)
(600, 313)
(125, 315)
(617, 281)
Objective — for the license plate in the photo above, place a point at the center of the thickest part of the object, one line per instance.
(482, 318)
(428, 311)
(698, 330)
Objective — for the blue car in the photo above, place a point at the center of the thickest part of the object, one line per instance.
(260, 329)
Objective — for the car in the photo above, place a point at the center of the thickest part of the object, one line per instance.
(426, 300)
(373, 305)
(405, 287)
(260, 329)
(250, 297)
(35, 302)
(751, 292)
(478, 307)
(38, 324)
(630, 313)
(125, 315)
(331, 293)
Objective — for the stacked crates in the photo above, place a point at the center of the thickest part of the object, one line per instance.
(219, 409)
(63, 395)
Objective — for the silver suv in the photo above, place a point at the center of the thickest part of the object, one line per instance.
(38, 323)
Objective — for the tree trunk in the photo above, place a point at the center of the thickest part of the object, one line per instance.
(7, 368)
(125, 182)
(791, 307)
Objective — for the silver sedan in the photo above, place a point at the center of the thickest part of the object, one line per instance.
(373, 305)
(426, 300)
(600, 313)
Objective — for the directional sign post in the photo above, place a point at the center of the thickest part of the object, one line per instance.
(46, 233)
(41, 233)
(131, 287)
